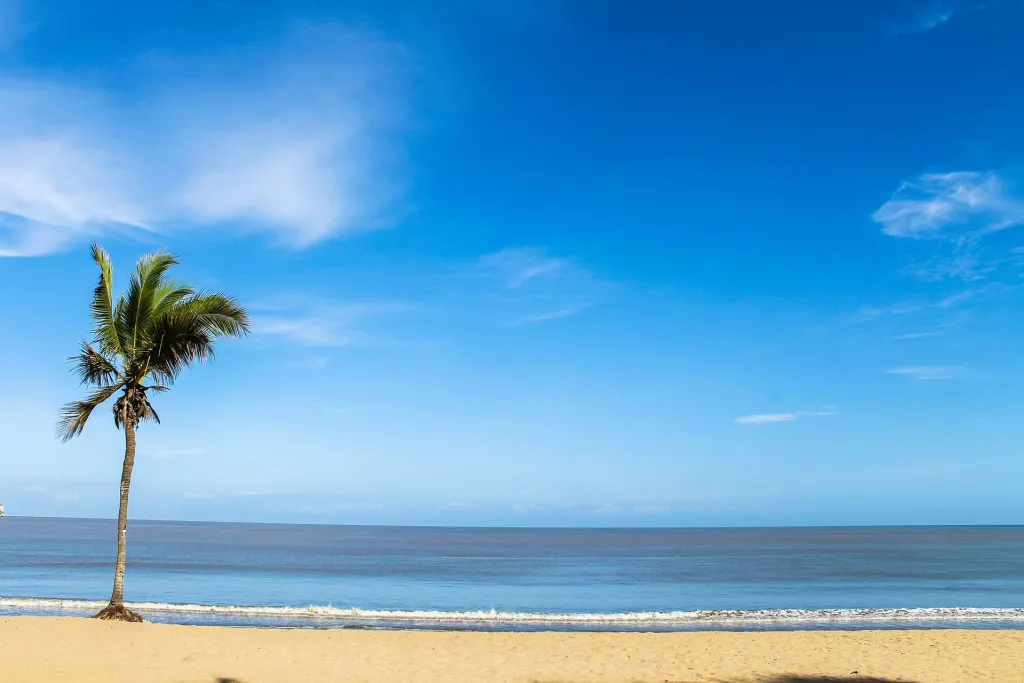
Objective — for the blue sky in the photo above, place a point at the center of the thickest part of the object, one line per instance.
(552, 263)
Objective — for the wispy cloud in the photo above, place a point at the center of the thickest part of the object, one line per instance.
(294, 142)
(954, 212)
(931, 17)
(533, 286)
(960, 214)
(515, 267)
(926, 15)
(553, 314)
(929, 372)
(868, 313)
(920, 335)
(770, 418)
(964, 203)
(324, 325)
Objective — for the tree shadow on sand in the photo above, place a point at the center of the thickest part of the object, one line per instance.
(788, 678)
(792, 678)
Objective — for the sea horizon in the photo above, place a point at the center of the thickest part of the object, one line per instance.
(538, 527)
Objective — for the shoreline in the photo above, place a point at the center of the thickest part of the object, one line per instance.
(57, 649)
(491, 620)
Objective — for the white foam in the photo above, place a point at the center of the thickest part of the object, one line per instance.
(668, 619)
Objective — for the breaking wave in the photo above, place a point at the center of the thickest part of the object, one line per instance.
(339, 616)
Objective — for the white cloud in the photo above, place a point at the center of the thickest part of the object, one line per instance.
(770, 418)
(926, 15)
(868, 313)
(287, 184)
(296, 143)
(959, 213)
(767, 418)
(515, 267)
(324, 325)
(534, 286)
(965, 202)
(929, 372)
(553, 314)
(919, 335)
(57, 184)
(931, 17)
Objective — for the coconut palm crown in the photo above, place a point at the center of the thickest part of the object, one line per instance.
(140, 344)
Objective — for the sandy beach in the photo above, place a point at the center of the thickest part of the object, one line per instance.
(37, 649)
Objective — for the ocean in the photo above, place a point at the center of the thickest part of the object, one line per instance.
(522, 579)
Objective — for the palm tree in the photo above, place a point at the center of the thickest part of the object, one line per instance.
(151, 333)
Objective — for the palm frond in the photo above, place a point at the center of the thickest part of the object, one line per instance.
(179, 345)
(188, 332)
(137, 311)
(168, 295)
(105, 328)
(93, 368)
(150, 413)
(74, 415)
(219, 314)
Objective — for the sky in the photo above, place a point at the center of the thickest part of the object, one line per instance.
(535, 263)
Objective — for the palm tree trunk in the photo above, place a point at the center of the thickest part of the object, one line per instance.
(116, 609)
(117, 598)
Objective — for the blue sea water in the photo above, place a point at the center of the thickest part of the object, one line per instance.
(523, 578)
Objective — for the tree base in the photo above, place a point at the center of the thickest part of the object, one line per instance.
(114, 612)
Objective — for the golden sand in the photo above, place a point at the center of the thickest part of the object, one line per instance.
(54, 650)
